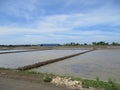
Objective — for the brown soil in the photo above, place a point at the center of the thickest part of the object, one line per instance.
(15, 80)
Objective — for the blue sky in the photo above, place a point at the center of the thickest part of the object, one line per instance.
(59, 21)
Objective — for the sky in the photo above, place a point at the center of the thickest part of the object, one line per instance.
(59, 21)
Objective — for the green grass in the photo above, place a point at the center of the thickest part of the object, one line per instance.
(45, 76)
(110, 85)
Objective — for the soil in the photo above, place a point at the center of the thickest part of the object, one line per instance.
(13, 80)
(14, 84)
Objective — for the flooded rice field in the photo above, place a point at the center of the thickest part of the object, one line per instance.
(3, 51)
(104, 64)
(15, 60)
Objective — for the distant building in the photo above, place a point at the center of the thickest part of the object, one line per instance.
(49, 44)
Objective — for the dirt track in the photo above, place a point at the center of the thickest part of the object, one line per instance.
(15, 80)
(14, 84)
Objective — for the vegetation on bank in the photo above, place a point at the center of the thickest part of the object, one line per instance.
(98, 84)
(110, 85)
(101, 85)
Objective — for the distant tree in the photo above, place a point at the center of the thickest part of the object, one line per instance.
(77, 44)
(100, 43)
(115, 43)
(85, 44)
(94, 43)
(72, 44)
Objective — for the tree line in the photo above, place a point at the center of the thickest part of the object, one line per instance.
(93, 43)
(67, 44)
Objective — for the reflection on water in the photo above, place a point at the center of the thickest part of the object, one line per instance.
(14, 60)
(102, 63)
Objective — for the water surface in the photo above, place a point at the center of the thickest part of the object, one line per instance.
(102, 63)
(14, 60)
(2, 51)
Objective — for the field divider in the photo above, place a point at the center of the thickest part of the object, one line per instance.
(27, 67)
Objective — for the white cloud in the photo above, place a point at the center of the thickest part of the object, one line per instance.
(65, 22)
(69, 22)
(20, 9)
(61, 27)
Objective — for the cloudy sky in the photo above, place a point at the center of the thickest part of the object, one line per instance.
(59, 21)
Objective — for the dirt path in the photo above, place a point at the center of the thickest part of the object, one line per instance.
(14, 84)
(15, 80)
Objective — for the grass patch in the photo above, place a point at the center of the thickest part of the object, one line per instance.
(47, 79)
(110, 85)
(44, 76)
